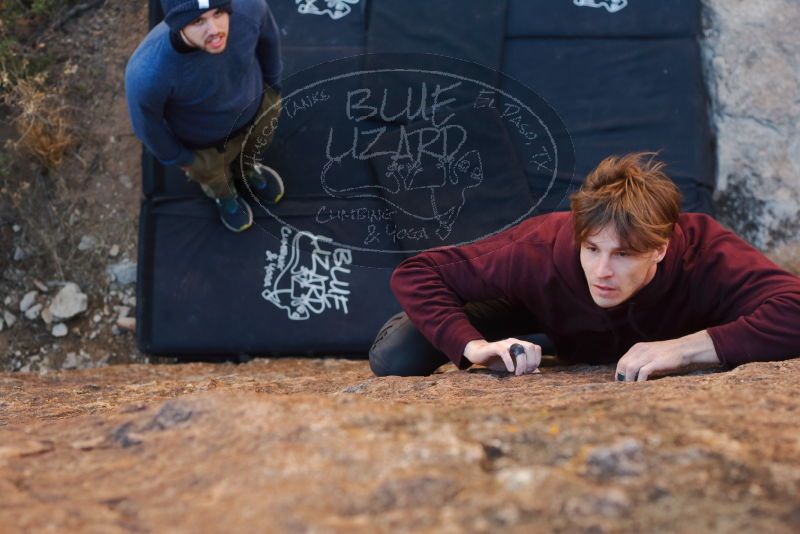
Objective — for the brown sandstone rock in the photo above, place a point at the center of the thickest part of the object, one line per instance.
(310, 445)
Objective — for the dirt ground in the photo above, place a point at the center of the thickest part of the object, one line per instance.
(94, 193)
(309, 445)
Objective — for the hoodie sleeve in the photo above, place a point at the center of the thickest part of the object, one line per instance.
(268, 50)
(146, 101)
(757, 303)
(433, 287)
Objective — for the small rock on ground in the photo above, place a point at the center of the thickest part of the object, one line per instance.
(9, 318)
(59, 330)
(33, 312)
(123, 273)
(28, 300)
(69, 302)
(87, 242)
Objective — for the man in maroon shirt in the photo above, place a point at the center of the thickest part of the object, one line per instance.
(623, 277)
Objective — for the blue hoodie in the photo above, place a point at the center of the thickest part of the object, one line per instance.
(179, 101)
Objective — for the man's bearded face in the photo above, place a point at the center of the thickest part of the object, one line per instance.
(208, 32)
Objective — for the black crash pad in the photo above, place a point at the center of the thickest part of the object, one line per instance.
(311, 276)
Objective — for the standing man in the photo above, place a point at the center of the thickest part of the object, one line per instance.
(203, 77)
(623, 277)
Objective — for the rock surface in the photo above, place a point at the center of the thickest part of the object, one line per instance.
(310, 445)
(752, 57)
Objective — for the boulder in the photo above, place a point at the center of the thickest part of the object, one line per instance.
(753, 74)
(322, 445)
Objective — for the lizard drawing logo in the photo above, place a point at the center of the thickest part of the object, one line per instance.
(612, 6)
(425, 188)
(335, 9)
(305, 277)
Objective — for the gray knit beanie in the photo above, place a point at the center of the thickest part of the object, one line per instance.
(179, 13)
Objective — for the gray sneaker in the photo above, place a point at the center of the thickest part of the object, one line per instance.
(234, 213)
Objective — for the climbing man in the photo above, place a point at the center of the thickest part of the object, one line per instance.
(203, 78)
(623, 278)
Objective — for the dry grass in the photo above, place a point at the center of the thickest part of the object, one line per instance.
(43, 136)
(40, 118)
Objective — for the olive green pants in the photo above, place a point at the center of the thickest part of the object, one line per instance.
(211, 166)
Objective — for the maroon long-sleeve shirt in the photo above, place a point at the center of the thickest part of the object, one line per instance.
(709, 279)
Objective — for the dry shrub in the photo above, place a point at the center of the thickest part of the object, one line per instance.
(40, 118)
